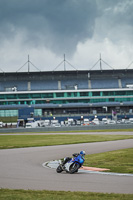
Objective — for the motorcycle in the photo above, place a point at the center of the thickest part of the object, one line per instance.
(71, 165)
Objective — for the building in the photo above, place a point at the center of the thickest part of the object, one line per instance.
(65, 93)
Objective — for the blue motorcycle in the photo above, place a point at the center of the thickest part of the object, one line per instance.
(71, 165)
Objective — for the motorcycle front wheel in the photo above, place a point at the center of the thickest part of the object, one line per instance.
(74, 168)
(59, 169)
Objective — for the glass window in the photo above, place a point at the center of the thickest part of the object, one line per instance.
(39, 102)
(38, 112)
(95, 93)
(97, 100)
(111, 99)
(2, 103)
(47, 95)
(60, 94)
(108, 93)
(69, 94)
(8, 113)
(12, 103)
(129, 92)
(120, 92)
(2, 96)
(23, 96)
(11, 96)
(84, 94)
(36, 95)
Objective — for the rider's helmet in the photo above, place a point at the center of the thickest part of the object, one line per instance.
(82, 153)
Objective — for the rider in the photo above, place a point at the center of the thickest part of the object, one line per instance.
(82, 154)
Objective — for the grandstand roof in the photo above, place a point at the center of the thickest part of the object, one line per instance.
(78, 73)
(66, 80)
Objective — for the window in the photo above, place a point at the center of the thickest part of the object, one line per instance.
(69, 94)
(60, 94)
(23, 96)
(109, 93)
(39, 102)
(120, 92)
(75, 94)
(8, 113)
(129, 92)
(12, 103)
(95, 93)
(97, 100)
(36, 95)
(37, 112)
(111, 100)
(47, 95)
(11, 96)
(2, 96)
(84, 94)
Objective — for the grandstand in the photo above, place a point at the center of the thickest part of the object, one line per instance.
(67, 93)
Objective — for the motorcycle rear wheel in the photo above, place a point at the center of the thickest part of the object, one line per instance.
(74, 168)
(59, 169)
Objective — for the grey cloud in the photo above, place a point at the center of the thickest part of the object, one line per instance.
(116, 20)
(56, 24)
(60, 25)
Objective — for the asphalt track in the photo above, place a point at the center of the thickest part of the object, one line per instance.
(22, 169)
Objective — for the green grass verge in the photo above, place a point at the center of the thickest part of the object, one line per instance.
(120, 161)
(6, 194)
(70, 131)
(20, 141)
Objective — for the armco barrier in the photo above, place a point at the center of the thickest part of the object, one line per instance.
(67, 128)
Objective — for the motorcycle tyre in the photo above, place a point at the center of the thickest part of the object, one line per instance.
(59, 169)
(75, 169)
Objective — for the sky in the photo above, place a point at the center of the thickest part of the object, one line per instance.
(65, 35)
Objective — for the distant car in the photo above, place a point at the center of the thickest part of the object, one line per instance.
(131, 120)
(127, 121)
(57, 125)
(96, 121)
(1, 124)
(78, 122)
(28, 125)
(119, 122)
(31, 125)
(112, 122)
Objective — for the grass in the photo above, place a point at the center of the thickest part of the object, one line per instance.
(6, 194)
(20, 141)
(117, 161)
(120, 161)
(71, 131)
